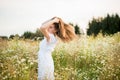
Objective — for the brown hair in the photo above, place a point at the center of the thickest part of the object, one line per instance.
(65, 31)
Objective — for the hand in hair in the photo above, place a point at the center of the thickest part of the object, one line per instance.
(46, 25)
(55, 19)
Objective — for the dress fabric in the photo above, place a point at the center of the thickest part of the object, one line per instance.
(45, 60)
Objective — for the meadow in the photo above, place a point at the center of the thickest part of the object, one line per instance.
(88, 58)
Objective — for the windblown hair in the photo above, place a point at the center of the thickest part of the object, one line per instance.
(65, 31)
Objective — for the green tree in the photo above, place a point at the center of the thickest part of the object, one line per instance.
(11, 36)
(38, 33)
(108, 25)
(94, 27)
(77, 29)
(4, 37)
(28, 35)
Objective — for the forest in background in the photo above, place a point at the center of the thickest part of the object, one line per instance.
(107, 25)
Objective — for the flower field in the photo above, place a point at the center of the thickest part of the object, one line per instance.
(87, 58)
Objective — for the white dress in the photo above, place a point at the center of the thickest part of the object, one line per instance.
(45, 60)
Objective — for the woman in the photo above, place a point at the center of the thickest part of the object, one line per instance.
(52, 30)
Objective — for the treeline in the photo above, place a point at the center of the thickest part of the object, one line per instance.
(107, 25)
(37, 35)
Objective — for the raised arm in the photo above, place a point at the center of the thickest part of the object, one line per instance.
(46, 25)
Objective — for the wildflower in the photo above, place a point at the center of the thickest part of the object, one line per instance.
(22, 60)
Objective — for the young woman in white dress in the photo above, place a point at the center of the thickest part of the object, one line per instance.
(52, 30)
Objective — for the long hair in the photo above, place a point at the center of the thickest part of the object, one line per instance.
(65, 31)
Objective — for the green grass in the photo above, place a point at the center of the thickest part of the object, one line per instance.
(87, 58)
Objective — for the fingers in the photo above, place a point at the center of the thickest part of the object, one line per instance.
(56, 17)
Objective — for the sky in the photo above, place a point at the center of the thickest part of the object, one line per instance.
(18, 16)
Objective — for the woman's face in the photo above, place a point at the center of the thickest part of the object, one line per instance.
(52, 29)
